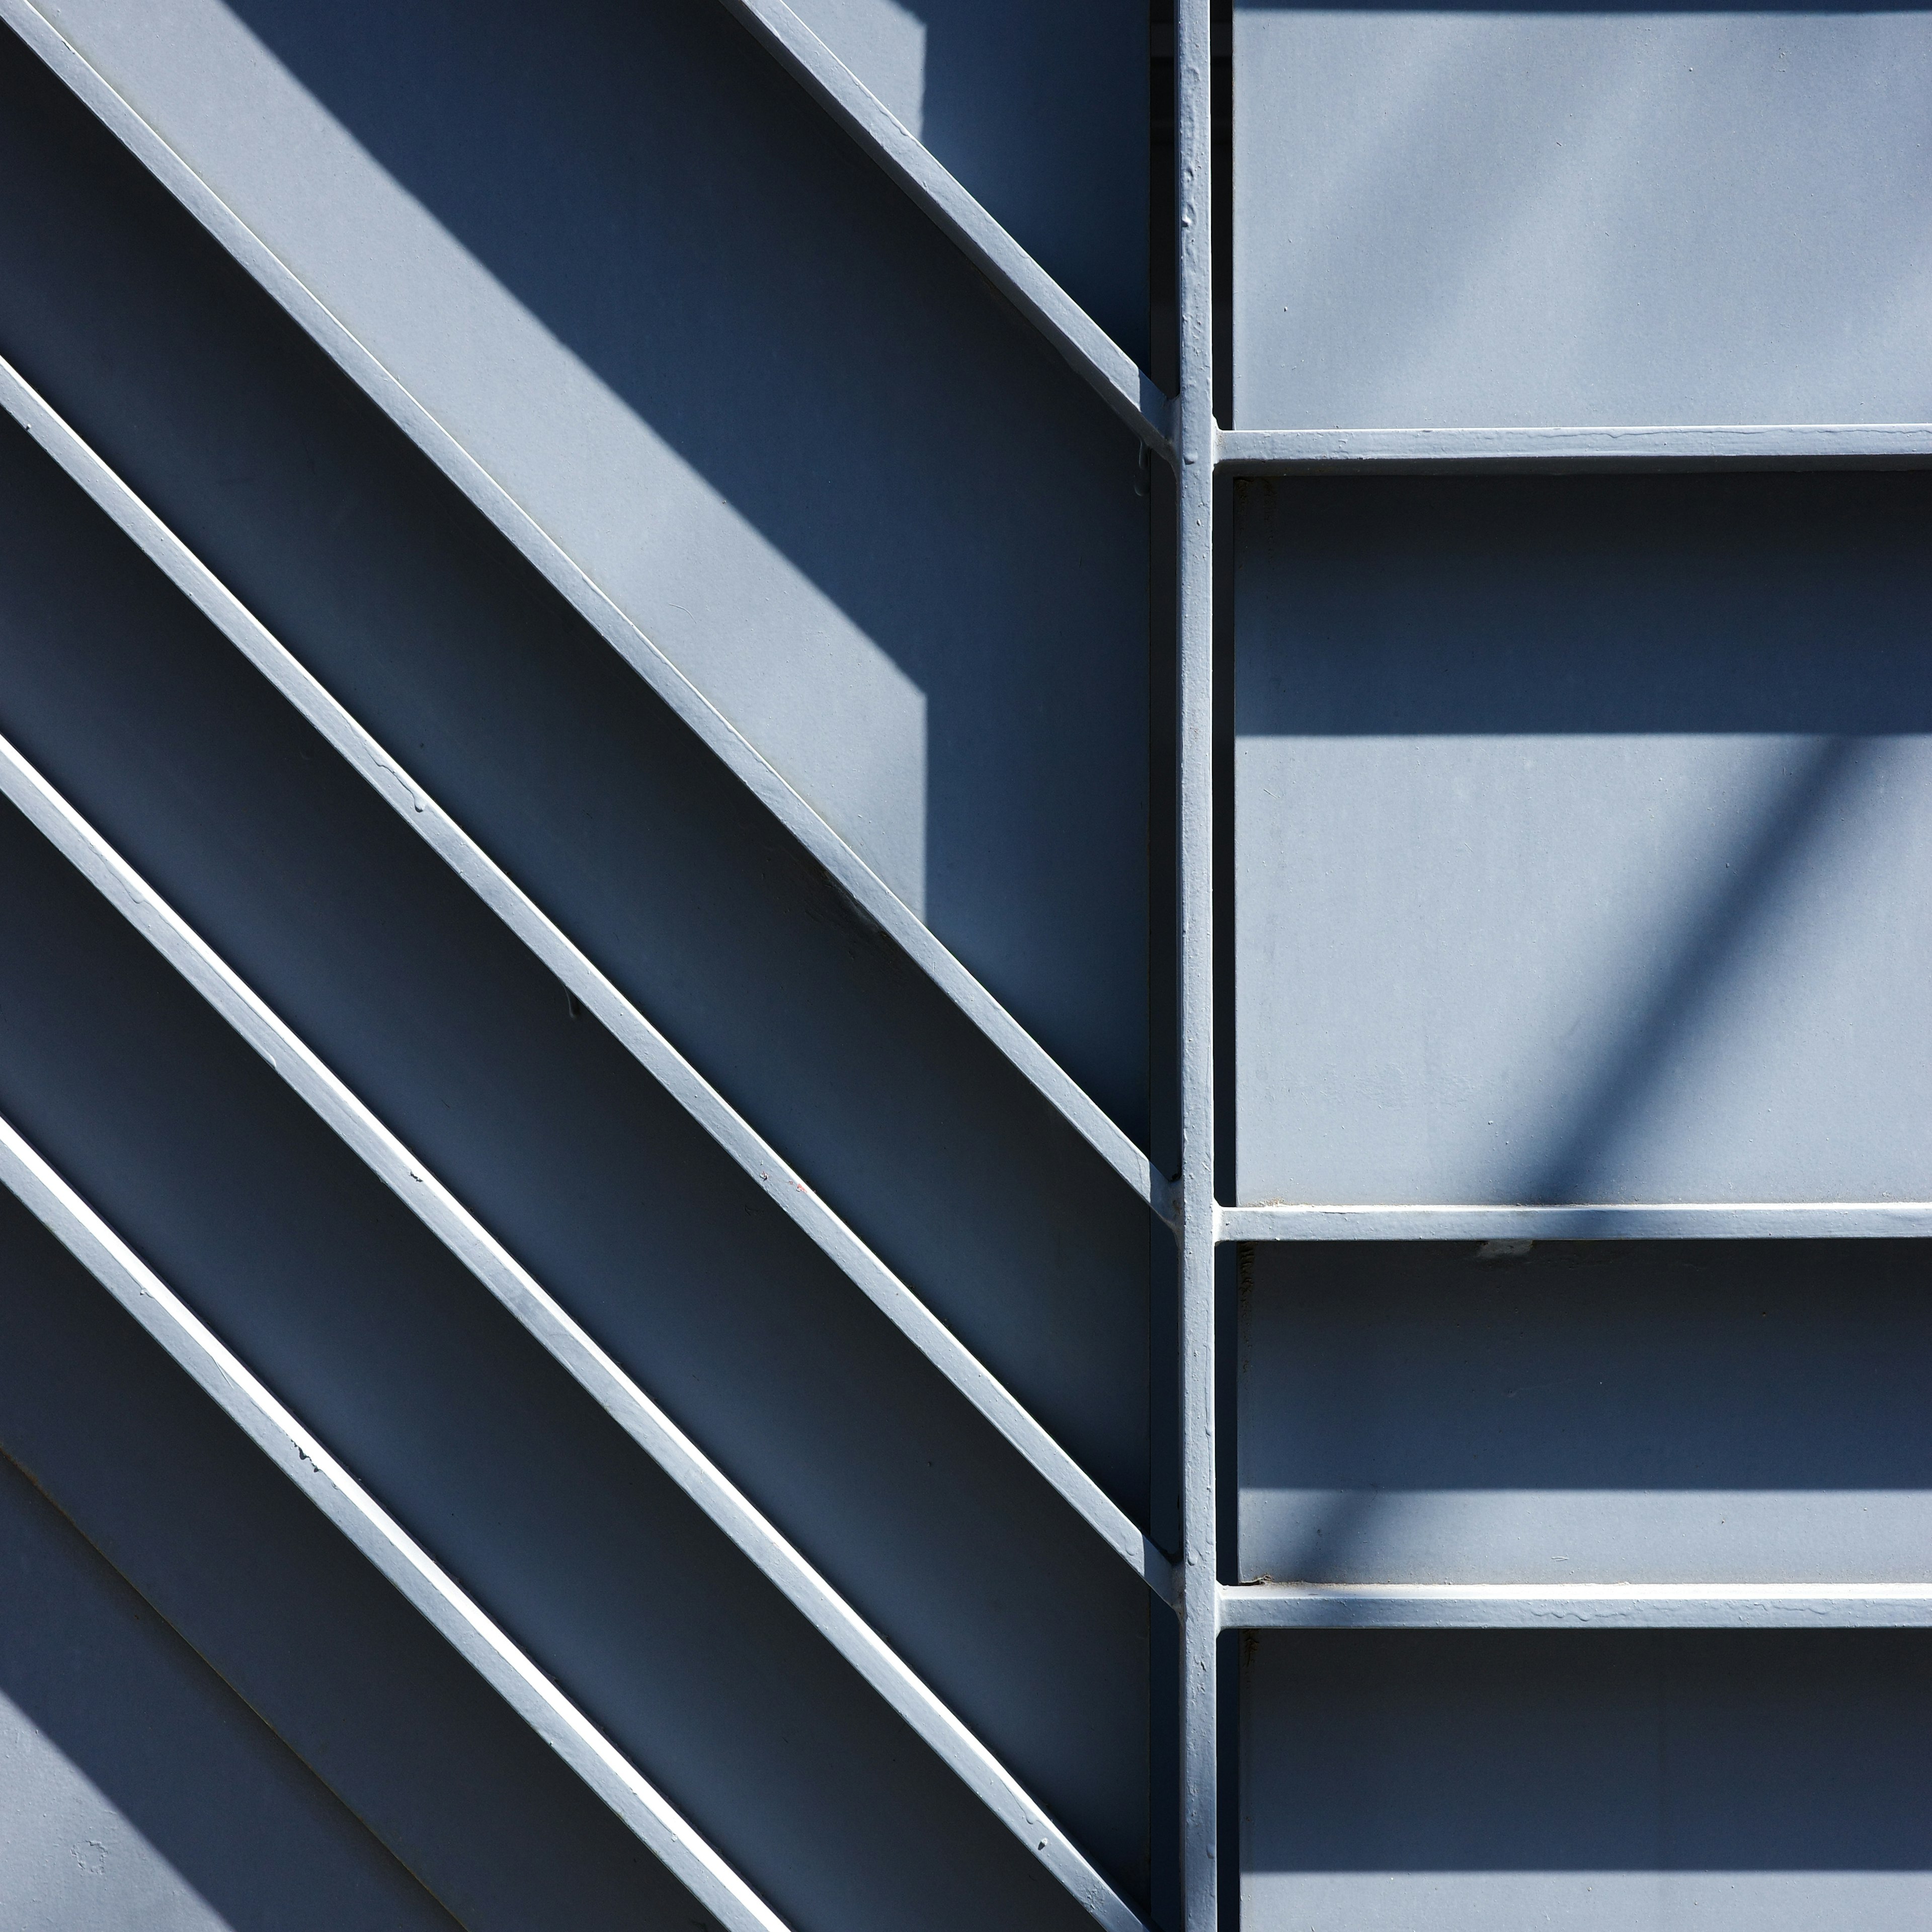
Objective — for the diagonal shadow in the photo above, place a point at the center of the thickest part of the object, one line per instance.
(1710, 948)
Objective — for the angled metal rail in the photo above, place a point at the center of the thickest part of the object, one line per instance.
(570, 1345)
(295, 1451)
(920, 944)
(760, 1162)
(1084, 346)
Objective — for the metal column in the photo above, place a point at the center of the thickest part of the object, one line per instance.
(1194, 443)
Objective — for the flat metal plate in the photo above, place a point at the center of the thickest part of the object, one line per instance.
(1582, 827)
(1587, 1413)
(1524, 215)
(1767, 1781)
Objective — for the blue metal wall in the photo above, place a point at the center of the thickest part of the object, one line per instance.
(963, 965)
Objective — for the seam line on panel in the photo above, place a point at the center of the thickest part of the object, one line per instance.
(1101, 363)
(301, 1457)
(954, 981)
(563, 1339)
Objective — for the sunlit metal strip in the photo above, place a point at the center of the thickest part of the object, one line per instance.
(905, 927)
(309, 1466)
(1194, 443)
(1281, 452)
(1575, 1605)
(1618, 1221)
(1106, 368)
(760, 1162)
(570, 1345)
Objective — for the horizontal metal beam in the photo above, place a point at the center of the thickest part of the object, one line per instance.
(570, 1344)
(1616, 1221)
(1574, 1606)
(760, 1162)
(1087, 349)
(919, 943)
(295, 1451)
(1289, 452)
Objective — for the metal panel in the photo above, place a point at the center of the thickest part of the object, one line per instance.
(770, 415)
(1580, 824)
(1622, 1782)
(581, 785)
(1455, 217)
(1590, 1413)
(140, 1794)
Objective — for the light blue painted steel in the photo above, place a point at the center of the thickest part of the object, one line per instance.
(1576, 451)
(532, 1113)
(898, 137)
(1198, 1573)
(1449, 217)
(1581, 824)
(141, 1795)
(300, 1457)
(1600, 1779)
(597, 996)
(574, 1350)
(1610, 1414)
(849, 761)
(1582, 1178)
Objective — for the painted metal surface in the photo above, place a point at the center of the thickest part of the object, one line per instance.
(1452, 217)
(303, 1459)
(1602, 1780)
(1577, 1152)
(1582, 822)
(1198, 1573)
(569, 1346)
(140, 1792)
(593, 400)
(599, 633)
(484, 1014)
(594, 995)
(1604, 1413)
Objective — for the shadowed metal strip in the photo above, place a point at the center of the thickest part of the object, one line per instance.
(759, 1161)
(313, 1471)
(1716, 446)
(570, 1345)
(1101, 363)
(917, 940)
(1634, 1221)
(1574, 1606)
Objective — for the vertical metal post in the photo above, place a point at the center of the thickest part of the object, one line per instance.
(1194, 436)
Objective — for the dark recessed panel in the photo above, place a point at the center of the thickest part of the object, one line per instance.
(1639, 1782)
(1748, 1411)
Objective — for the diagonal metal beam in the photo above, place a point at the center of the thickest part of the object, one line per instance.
(760, 1162)
(300, 1456)
(917, 940)
(570, 1344)
(1107, 369)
